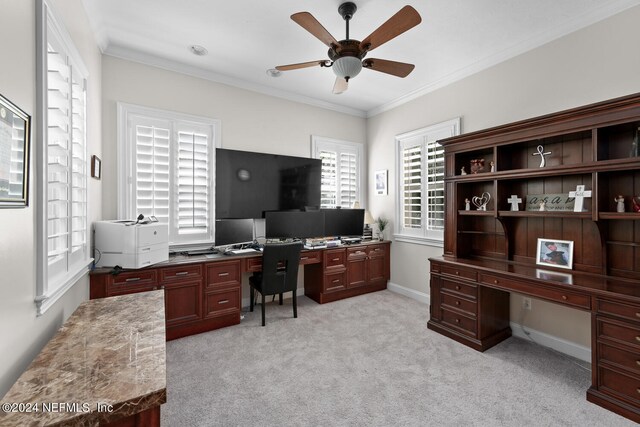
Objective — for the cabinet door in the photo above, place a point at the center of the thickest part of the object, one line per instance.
(356, 267)
(377, 264)
(183, 302)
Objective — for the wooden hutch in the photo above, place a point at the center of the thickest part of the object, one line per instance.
(489, 253)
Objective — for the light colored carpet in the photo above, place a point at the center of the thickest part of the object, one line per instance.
(368, 361)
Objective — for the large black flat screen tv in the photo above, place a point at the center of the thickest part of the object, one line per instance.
(249, 184)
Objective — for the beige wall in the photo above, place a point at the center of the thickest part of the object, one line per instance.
(22, 334)
(594, 64)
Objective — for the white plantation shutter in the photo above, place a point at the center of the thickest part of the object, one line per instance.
(412, 186)
(434, 185)
(341, 177)
(62, 248)
(420, 204)
(166, 169)
(193, 176)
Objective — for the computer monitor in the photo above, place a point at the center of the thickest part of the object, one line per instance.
(343, 222)
(292, 225)
(233, 231)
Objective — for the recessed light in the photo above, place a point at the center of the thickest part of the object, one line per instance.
(198, 50)
(273, 72)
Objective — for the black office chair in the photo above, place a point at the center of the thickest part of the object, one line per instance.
(279, 273)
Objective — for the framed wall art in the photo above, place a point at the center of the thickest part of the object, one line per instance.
(15, 131)
(381, 182)
(96, 167)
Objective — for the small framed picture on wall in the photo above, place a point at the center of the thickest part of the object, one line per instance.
(96, 167)
(381, 182)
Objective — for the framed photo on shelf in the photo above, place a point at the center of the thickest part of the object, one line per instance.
(554, 276)
(555, 253)
(15, 134)
(381, 182)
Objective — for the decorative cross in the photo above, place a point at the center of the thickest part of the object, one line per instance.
(541, 153)
(514, 200)
(579, 195)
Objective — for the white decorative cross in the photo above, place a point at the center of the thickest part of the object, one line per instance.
(514, 200)
(579, 194)
(541, 153)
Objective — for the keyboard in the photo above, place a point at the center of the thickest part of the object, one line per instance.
(241, 251)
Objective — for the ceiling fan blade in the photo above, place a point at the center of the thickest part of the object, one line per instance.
(402, 21)
(340, 85)
(301, 65)
(311, 24)
(399, 69)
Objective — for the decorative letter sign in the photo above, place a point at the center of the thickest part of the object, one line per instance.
(579, 195)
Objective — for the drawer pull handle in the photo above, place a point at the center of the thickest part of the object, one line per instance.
(457, 302)
(224, 301)
(335, 280)
(564, 297)
(495, 282)
(457, 273)
(133, 279)
(223, 274)
(335, 259)
(182, 273)
(304, 257)
(457, 320)
(638, 362)
(457, 287)
(638, 338)
(638, 314)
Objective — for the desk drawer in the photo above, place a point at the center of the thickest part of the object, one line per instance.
(626, 311)
(192, 271)
(618, 384)
(335, 281)
(459, 272)
(627, 359)
(334, 258)
(310, 257)
(555, 295)
(356, 253)
(460, 322)
(222, 274)
(376, 251)
(620, 332)
(140, 277)
(254, 264)
(470, 308)
(466, 289)
(221, 303)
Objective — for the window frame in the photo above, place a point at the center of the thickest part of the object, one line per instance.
(50, 289)
(420, 137)
(125, 114)
(319, 143)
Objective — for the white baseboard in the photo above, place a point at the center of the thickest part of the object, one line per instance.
(408, 292)
(563, 346)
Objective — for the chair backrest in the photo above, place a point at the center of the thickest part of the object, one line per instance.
(280, 267)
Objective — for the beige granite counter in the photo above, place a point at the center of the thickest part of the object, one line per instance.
(108, 361)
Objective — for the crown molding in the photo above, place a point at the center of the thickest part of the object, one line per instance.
(584, 20)
(169, 65)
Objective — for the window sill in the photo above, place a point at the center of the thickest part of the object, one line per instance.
(418, 240)
(46, 301)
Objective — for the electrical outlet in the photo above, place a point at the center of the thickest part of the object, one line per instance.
(526, 303)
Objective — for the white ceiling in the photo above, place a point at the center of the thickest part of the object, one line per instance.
(246, 37)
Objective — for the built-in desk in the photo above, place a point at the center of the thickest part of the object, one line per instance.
(470, 304)
(106, 365)
(204, 292)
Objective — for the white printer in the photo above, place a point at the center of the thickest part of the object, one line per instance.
(130, 244)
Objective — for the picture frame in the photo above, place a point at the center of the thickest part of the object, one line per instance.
(554, 276)
(554, 253)
(381, 182)
(15, 136)
(96, 167)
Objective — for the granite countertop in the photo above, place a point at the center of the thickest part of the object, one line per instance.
(108, 361)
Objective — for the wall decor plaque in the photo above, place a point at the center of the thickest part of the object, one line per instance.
(552, 202)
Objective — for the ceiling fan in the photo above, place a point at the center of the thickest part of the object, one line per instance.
(346, 57)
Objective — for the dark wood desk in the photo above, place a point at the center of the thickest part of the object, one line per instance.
(470, 304)
(204, 293)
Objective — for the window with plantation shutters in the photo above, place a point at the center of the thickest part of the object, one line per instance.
(62, 252)
(341, 176)
(420, 173)
(166, 169)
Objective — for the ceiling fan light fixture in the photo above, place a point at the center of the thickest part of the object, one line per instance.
(272, 72)
(347, 67)
(198, 50)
